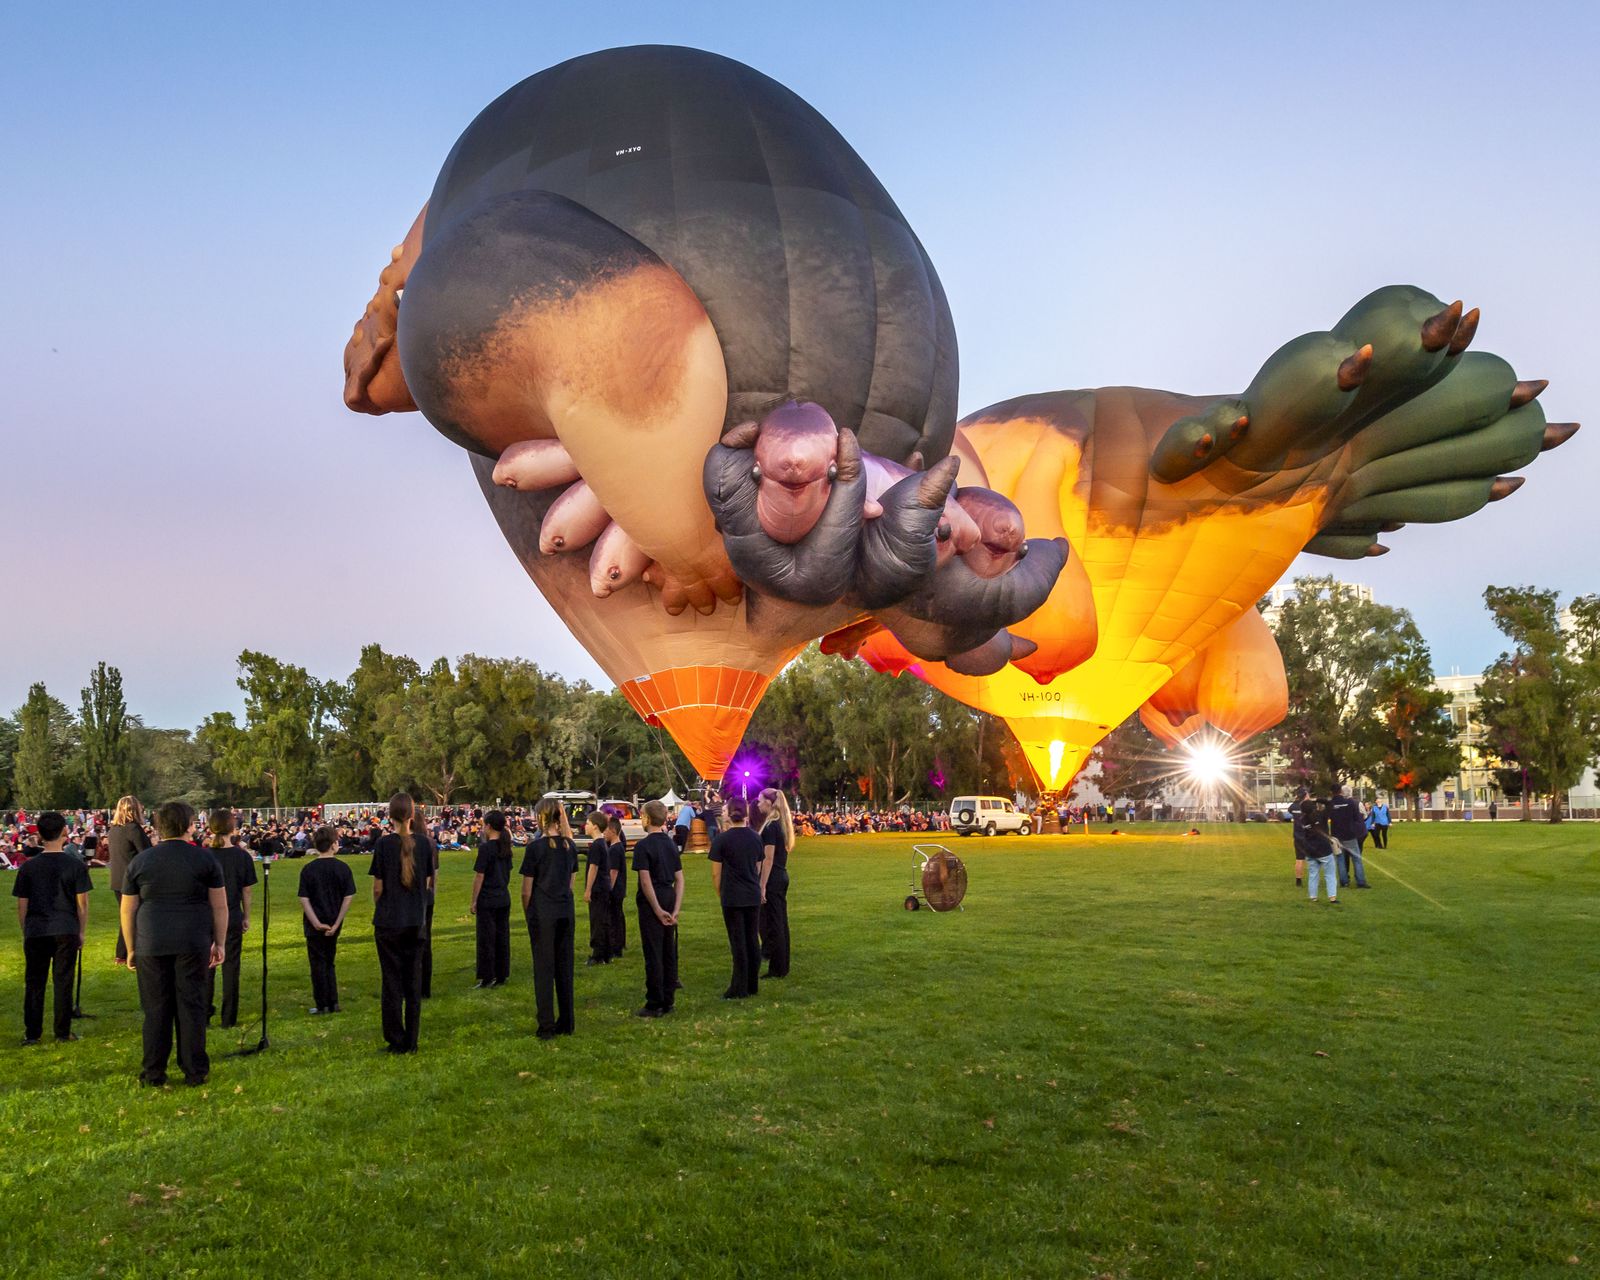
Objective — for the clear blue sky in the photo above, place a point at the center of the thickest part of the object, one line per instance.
(197, 200)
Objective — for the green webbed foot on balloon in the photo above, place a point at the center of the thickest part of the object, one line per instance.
(1387, 413)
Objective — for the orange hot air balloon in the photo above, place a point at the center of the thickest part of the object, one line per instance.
(1242, 686)
(1182, 511)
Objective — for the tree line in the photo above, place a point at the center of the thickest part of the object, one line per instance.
(1362, 709)
(485, 729)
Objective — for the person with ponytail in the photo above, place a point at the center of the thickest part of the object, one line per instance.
(238, 875)
(549, 866)
(491, 900)
(777, 838)
(402, 875)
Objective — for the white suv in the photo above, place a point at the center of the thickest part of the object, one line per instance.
(988, 814)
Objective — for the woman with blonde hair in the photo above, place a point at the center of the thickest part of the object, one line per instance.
(777, 838)
(125, 840)
(402, 878)
(238, 875)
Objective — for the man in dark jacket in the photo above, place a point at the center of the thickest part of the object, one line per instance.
(1349, 826)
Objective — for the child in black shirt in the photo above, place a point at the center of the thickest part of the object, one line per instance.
(327, 888)
(660, 899)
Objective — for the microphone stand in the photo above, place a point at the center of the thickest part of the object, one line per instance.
(77, 999)
(266, 921)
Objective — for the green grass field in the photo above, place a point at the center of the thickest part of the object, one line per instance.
(1141, 1055)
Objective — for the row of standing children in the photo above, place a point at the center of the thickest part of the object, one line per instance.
(749, 872)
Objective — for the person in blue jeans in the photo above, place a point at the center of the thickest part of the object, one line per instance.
(1314, 843)
(1349, 826)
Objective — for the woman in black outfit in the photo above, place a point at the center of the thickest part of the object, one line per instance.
(125, 841)
(491, 901)
(549, 866)
(402, 874)
(419, 833)
(777, 838)
(738, 866)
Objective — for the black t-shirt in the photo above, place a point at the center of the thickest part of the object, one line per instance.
(598, 857)
(657, 856)
(238, 870)
(739, 851)
(173, 881)
(551, 862)
(51, 882)
(401, 907)
(617, 860)
(494, 865)
(772, 834)
(326, 883)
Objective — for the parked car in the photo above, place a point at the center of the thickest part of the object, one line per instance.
(988, 814)
(628, 813)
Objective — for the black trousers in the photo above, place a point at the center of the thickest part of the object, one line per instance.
(775, 929)
(599, 905)
(1380, 837)
(618, 916)
(427, 955)
(552, 942)
(122, 941)
(400, 963)
(230, 981)
(322, 951)
(744, 940)
(47, 958)
(173, 990)
(659, 944)
(494, 943)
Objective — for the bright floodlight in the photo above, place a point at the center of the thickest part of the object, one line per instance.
(1208, 763)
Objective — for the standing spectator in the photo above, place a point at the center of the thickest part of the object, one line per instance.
(549, 865)
(175, 916)
(777, 838)
(597, 888)
(738, 867)
(616, 921)
(401, 868)
(1378, 824)
(491, 901)
(1494, 810)
(659, 866)
(1349, 828)
(125, 840)
(1315, 844)
(429, 851)
(238, 877)
(327, 888)
(52, 893)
